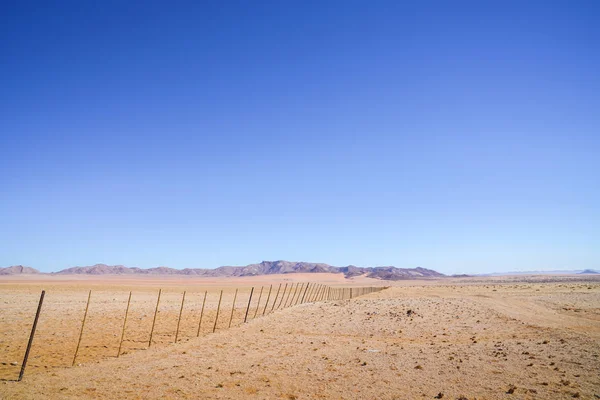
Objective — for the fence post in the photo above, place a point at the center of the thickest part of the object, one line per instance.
(179, 319)
(299, 288)
(310, 289)
(124, 323)
(268, 297)
(304, 294)
(154, 320)
(320, 294)
(218, 308)
(201, 313)
(310, 293)
(258, 305)
(294, 295)
(299, 293)
(282, 296)
(288, 296)
(276, 296)
(82, 325)
(232, 308)
(248, 308)
(33, 328)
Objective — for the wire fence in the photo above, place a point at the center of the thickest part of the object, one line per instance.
(103, 324)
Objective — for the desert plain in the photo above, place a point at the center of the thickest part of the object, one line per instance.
(519, 337)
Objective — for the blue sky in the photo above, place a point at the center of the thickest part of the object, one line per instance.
(462, 136)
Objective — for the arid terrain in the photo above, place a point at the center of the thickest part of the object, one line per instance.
(472, 338)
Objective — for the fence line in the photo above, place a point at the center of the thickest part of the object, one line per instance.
(291, 296)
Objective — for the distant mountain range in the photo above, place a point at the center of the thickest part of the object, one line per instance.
(263, 268)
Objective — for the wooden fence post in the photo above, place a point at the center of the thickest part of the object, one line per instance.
(299, 293)
(288, 295)
(179, 319)
(82, 325)
(154, 320)
(258, 305)
(248, 307)
(282, 296)
(310, 293)
(218, 308)
(304, 294)
(293, 288)
(267, 303)
(320, 293)
(33, 328)
(232, 308)
(201, 313)
(124, 323)
(276, 296)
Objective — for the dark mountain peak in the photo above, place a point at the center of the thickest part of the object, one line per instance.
(589, 271)
(18, 270)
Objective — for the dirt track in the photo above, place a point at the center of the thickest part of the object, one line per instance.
(486, 340)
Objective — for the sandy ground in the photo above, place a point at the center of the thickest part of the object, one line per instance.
(484, 338)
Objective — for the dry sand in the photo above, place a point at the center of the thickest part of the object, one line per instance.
(484, 338)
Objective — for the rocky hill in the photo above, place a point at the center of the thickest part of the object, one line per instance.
(18, 270)
(263, 268)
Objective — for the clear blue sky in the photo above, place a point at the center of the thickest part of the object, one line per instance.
(462, 136)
